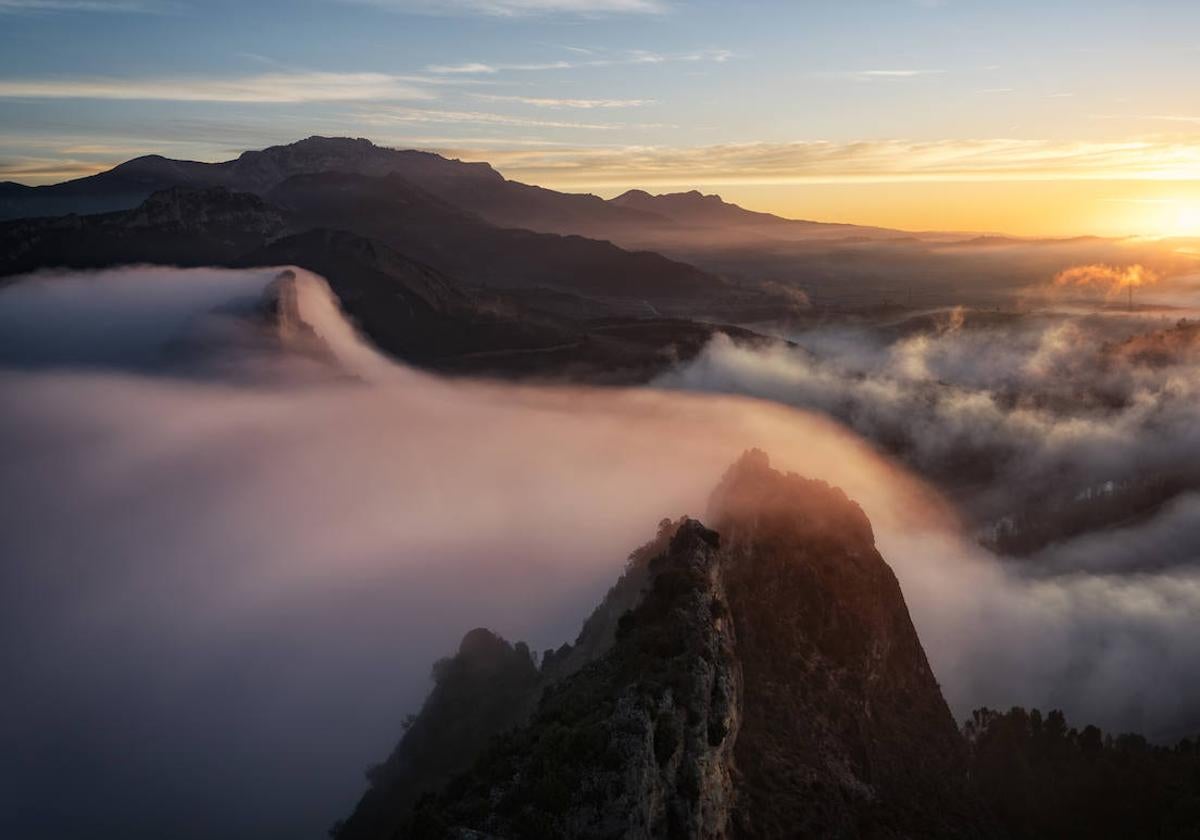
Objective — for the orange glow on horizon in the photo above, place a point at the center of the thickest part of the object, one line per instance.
(1019, 208)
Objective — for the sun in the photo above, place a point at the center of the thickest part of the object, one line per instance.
(1187, 221)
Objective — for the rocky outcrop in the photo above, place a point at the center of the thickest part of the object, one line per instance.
(209, 211)
(174, 227)
(636, 744)
(845, 732)
(764, 681)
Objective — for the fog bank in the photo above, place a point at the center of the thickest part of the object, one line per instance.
(225, 582)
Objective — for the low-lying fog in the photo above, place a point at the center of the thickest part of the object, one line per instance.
(228, 565)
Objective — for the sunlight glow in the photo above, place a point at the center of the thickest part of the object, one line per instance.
(1187, 221)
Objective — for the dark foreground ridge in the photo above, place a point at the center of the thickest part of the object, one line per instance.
(759, 679)
(762, 679)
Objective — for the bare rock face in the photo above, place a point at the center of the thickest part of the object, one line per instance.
(177, 226)
(765, 681)
(845, 732)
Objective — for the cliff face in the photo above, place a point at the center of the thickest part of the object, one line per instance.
(766, 682)
(845, 732)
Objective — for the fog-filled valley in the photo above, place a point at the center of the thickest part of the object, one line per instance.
(599, 420)
(237, 534)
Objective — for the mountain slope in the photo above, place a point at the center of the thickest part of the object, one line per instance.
(174, 227)
(411, 308)
(767, 683)
(474, 187)
(408, 309)
(636, 217)
(696, 211)
(128, 184)
(408, 218)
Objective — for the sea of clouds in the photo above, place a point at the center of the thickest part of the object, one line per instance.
(233, 545)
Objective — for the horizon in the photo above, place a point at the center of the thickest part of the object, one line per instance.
(910, 114)
(613, 192)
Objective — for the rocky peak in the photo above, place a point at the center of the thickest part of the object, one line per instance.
(692, 207)
(845, 730)
(264, 169)
(199, 209)
(763, 681)
(754, 498)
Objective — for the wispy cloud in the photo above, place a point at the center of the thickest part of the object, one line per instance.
(468, 67)
(554, 102)
(38, 169)
(626, 57)
(880, 74)
(1191, 119)
(524, 8)
(15, 7)
(478, 67)
(895, 74)
(863, 161)
(393, 115)
(265, 88)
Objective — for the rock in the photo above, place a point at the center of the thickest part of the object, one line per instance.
(764, 680)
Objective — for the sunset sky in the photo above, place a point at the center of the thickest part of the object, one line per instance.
(1038, 118)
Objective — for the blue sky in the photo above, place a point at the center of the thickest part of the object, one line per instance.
(602, 94)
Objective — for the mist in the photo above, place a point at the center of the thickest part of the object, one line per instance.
(1066, 434)
(228, 573)
(1022, 415)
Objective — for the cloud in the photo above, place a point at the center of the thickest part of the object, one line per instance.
(624, 57)
(1190, 119)
(264, 88)
(238, 568)
(525, 8)
(892, 74)
(234, 565)
(1041, 427)
(39, 169)
(469, 67)
(1038, 424)
(101, 6)
(1113, 279)
(392, 115)
(552, 102)
(818, 161)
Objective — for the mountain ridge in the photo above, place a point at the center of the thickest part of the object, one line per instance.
(474, 186)
(770, 662)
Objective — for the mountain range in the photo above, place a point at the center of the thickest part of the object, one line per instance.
(681, 255)
(474, 188)
(410, 242)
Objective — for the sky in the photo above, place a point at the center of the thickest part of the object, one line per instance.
(1036, 118)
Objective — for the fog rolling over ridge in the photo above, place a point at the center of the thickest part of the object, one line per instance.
(236, 536)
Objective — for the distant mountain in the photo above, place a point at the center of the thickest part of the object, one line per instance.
(408, 309)
(128, 184)
(474, 188)
(419, 223)
(761, 680)
(463, 218)
(176, 226)
(695, 210)
(497, 313)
